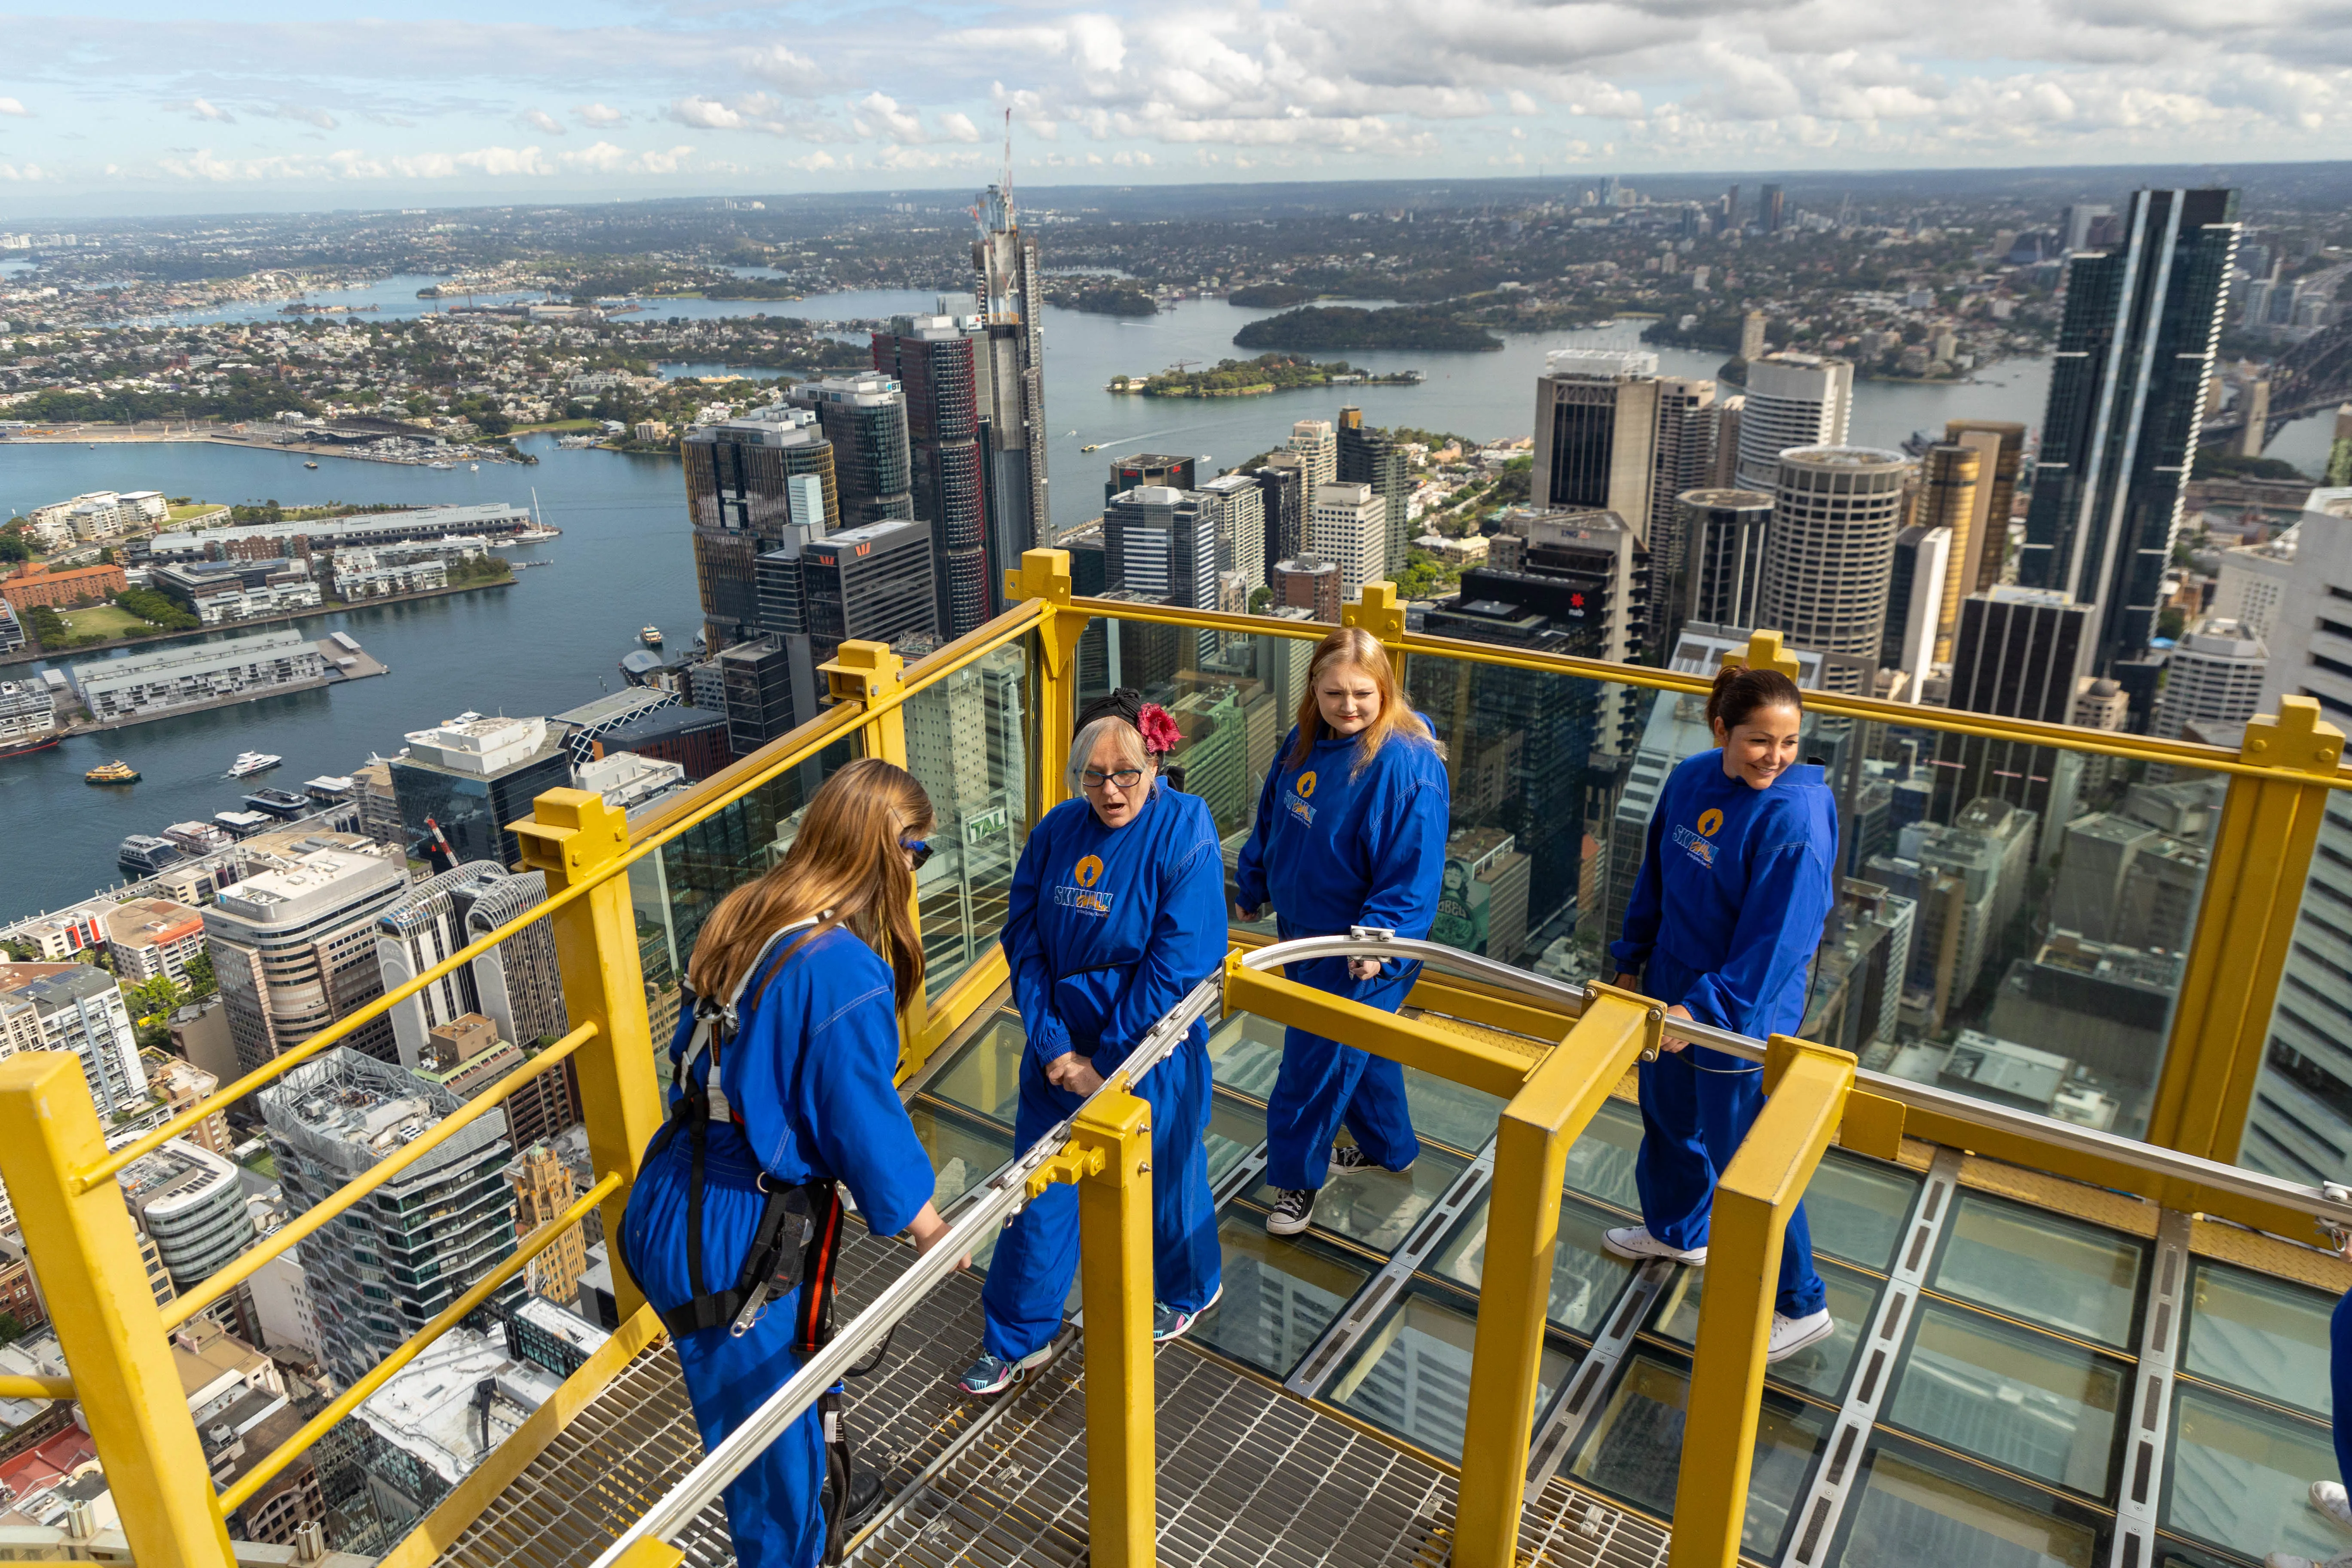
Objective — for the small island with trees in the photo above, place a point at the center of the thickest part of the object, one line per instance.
(1255, 377)
(1101, 296)
(1353, 327)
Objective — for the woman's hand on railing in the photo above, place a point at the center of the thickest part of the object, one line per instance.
(1247, 915)
(1666, 1042)
(1073, 1072)
(930, 1230)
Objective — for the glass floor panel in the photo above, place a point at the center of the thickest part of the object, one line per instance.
(1585, 1280)
(1601, 1163)
(2042, 1269)
(1236, 1127)
(2239, 1475)
(1451, 1112)
(1859, 1209)
(2035, 1403)
(1634, 1450)
(1378, 1209)
(1821, 1369)
(985, 1076)
(1412, 1373)
(964, 1153)
(1915, 1508)
(1245, 1052)
(1280, 1295)
(2266, 1336)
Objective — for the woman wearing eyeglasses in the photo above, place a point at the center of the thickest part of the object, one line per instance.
(1117, 912)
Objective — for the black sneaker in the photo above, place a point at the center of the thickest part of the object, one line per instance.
(864, 1499)
(1349, 1157)
(1292, 1207)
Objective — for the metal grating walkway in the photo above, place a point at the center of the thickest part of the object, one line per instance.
(1248, 1474)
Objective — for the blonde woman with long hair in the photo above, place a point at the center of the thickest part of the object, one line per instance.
(1350, 831)
(784, 1087)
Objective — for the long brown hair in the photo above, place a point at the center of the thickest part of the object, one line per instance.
(845, 864)
(1355, 647)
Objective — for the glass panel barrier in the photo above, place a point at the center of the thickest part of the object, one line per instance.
(2299, 1125)
(1858, 1208)
(2268, 1337)
(967, 743)
(985, 1075)
(1601, 1162)
(1412, 1373)
(1917, 1506)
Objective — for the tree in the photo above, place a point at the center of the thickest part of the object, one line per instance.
(1260, 599)
(200, 982)
(13, 548)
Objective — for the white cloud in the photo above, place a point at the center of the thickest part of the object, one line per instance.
(309, 114)
(661, 163)
(598, 115)
(21, 172)
(601, 157)
(198, 109)
(958, 127)
(780, 66)
(877, 116)
(707, 113)
(16, 107)
(547, 124)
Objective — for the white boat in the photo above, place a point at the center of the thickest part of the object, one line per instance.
(251, 763)
(473, 467)
(650, 636)
(535, 535)
(439, 464)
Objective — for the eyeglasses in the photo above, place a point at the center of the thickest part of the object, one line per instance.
(916, 851)
(1125, 778)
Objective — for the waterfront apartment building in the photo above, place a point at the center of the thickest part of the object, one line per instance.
(1722, 577)
(34, 586)
(1348, 525)
(1009, 289)
(1792, 400)
(1370, 455)
(221, 592)
(515, 984)
(462, 782)
(293, 949)
(101, 515)
(494, 522)
(27, 711)
(191, 1202)
(384, 1267)
(2127, 391)
(1829, 556)
(751, 484)
(380, 573)
(77, 1008)
(193, 675)
(152, 939)
(12, 630)
(932, 359)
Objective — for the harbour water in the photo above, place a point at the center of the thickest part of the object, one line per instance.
(553, 640)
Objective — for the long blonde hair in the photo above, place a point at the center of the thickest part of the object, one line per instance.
(1355, 647)
(845, 864)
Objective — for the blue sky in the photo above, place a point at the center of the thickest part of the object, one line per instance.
(211, 106)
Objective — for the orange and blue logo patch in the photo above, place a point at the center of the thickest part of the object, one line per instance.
(1709, 821)
(1080, 893)
(1699, 844)
(1302, 790)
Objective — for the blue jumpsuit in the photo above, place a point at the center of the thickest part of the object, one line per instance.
(810, 1072)
(1725, 916)
(1333, 848)
(1106, 928)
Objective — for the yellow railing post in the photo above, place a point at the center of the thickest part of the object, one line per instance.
(1806, 1086)
(1765, 652)
(98, 1299)
(870, 673)
(1560, 1098)
(1045, 574)
(2245, 919)
(1115, 1253)
(1381, 613)
(571, 837)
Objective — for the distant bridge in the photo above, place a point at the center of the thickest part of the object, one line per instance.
(2313, 375)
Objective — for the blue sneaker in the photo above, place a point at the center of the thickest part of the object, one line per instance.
(994, 1375)
(1174, 1322)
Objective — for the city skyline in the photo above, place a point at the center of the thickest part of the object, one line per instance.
(279, 110)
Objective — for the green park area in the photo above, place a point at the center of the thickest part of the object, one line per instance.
(102, 623)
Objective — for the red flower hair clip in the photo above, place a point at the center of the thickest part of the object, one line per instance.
(1160, 735)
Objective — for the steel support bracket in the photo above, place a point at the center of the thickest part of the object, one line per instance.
(1076, 1161)
(1653, 1029)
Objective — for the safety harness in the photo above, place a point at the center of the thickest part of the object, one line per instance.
(797, 1242)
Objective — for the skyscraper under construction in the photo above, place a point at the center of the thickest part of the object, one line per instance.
(1011, 372)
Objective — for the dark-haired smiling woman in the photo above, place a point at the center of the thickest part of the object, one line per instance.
(1736, 882)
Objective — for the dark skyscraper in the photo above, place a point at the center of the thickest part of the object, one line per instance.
(1012, 383)
(872, 582)
(864, 416)
(1284, 481)
(1723, 555)
(2017, 654)
(1140, 468)
(2127, 393)
(1771, 209)
(739, 495)
(932, 358)
(1369, 456)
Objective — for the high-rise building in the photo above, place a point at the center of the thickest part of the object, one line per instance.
(76, 1008)
(1317, 446)
(1723, 534)
(2020, 654)
(469, 1057)
(1792, 400)
(1915, 604)
(1587, 573)
(1951, 499)
(871, 582)
(864, 416)
(1310, 583)
(515, 984)
(1771, 209)
(461, 782)
(1283, 483)
(385, 1267)
(1012, 383)
(152, 938)
(294, 950)
(747, 483)
(1348, 524)
(2252, 586)
(1162, 543)
(2214, 677)
(543, 1188)
(1241, 529)
(756, 692)
(1596, 428)
(1370, 455)
(2127, 394)
(1687, 425)
(1751, 336)
(932, 356)
(2000, 445)
(1139, 469)
(1831, 548)
(190, 1201)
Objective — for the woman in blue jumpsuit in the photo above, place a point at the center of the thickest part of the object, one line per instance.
(1350, 831)
(808, 1094)
(1117, 912)
(1735, 884)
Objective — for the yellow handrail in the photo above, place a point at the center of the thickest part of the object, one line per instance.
(254, 1258)
(36, 1388)
(539, 1241)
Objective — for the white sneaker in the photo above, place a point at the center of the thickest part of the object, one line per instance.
(1790, 1335)
(2289, 1559)
(2328, 1497)
(1634, 1241)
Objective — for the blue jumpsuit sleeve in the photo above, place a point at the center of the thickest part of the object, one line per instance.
(1408, 860)
(1186, 944)
(1033, 977)
(861, 1132)
(1646, 905)
(1780, 918)
(1249, 871)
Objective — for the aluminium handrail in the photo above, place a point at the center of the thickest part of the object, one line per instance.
(2147, 1157)
(1004, 1194)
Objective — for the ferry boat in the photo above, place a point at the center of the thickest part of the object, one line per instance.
(143, 854)
(248, 763)
(312, 464)
(114, 773)
(281, 804)
(650, 636)
(30, 744)
(440, 465)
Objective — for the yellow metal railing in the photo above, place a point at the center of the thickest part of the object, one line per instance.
(56, 1167)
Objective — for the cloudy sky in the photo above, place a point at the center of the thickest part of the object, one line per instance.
(259, 103)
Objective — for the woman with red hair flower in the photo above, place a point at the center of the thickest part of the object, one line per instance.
(1117, 912)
